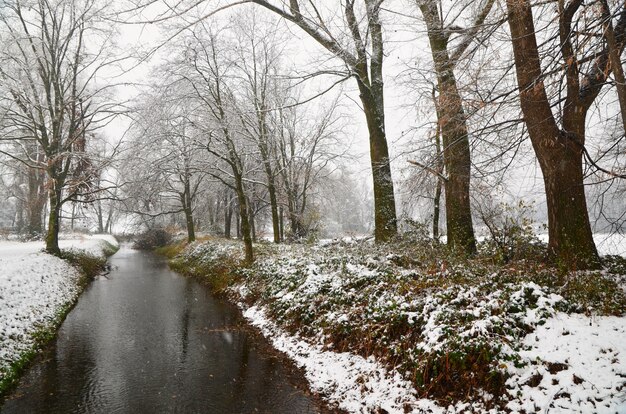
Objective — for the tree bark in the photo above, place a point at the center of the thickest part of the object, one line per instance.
(282, 224)
(228, 215)
(36, 200)
(246, 229)
(438, 185)
(188, 210)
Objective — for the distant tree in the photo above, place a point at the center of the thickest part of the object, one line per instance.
(307, 151)
(164, 159)
(204, 68)
(258, 61)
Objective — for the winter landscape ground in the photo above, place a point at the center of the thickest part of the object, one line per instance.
(36, 291)
(375, 330)
(381, 331)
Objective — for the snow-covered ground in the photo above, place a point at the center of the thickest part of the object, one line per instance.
(579, 366)
(573, 364)
(34, 287)
(553, 361)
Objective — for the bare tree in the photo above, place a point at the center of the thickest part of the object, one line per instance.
(557, 125)
(452, 118)
(258, 61)
(46, 71)
(204, 68)
(164, 156)
(306, 150)
(363, 56)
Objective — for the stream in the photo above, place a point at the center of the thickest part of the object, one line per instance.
(144, 339)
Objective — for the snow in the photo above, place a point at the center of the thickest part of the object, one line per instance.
(588, 360)
(34, 287)
(353, 383)
(553, 362)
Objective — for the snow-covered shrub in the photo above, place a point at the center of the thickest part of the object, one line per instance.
(212, 263)
(511, 232)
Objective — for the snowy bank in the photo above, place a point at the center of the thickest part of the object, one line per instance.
(406, 329)
(35, 290)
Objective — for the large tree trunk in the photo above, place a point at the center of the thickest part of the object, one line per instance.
(559, 153)
(36, 200)
(570, 237)
(453, 126)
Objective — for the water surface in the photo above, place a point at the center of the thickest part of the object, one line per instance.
(144, 339)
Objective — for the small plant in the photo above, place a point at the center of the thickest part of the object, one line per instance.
(511, 232)
(171, 250)
(415, 230)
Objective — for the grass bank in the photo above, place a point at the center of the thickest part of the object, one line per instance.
(88, 266)
(456, 329)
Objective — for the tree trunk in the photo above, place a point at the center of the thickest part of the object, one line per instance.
(188, 209)
(109, 223)
(238, 224)
(252, 221)
(36, 200)
(100, 216)
(570, 236)
(18, 219)
(73, 216)
(271, 188)
(52, 238)
(246, 230)
(191, 231)
(456, 150)
(282, 224)
(228, 215)
(385, 225)
(438, 184)
(559, 153)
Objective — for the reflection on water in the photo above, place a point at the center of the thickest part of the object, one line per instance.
(145, 340)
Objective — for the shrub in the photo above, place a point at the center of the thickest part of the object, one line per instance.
(511, 232)
(152, 238)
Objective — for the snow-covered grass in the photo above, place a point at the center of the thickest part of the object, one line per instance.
(36, 290)
(409, 328)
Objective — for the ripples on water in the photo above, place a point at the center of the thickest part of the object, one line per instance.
(146, 340)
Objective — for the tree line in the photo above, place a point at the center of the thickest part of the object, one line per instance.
(224, 121)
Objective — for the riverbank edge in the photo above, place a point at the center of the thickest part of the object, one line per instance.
(89, 266)
(537, 305)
